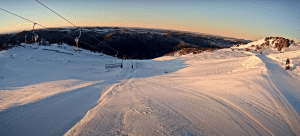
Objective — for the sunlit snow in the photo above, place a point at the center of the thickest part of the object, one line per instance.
(54, 90)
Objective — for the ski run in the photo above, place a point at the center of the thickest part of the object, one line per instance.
(54, 90)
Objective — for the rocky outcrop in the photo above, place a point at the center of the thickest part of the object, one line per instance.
(277, 42)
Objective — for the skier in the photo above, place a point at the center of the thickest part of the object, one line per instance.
(287, 65)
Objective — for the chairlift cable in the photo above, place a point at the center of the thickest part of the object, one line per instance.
(73, 24)
(50, 29)
(55, 12)
(21, 17)
(41, 26)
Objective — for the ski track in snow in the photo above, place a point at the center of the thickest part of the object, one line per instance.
(287, 90)
(183, 111)
(212, 93)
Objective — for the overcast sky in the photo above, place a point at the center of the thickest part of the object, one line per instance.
(250, 20)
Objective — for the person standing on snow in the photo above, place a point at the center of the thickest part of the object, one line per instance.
(287, 65)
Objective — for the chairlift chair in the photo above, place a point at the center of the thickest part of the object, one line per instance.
(77, 39)
(35, 36)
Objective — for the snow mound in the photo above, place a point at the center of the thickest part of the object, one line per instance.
(252, 62)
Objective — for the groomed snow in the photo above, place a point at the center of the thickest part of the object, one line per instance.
(224, 92)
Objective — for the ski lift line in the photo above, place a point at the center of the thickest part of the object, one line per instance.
(101, 42)
(33, 28)
(63, 37)
(77, 38)
(47, 28)
(21, 17)
(61, 17)
(79, 41)
(35, 36)
(31, 22)
(105, 45)
(73, 24)
(79, 33)
(55, 12)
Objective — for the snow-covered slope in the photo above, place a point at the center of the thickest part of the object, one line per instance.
(268, 46)
(293, 53)
(223, 92)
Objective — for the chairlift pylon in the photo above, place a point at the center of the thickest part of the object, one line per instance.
(25, 38)
(77, 38)
(35, 36)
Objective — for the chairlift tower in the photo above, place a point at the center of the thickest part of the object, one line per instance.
(35, 36)
(102, 54)
(25, 39)
(77, 39)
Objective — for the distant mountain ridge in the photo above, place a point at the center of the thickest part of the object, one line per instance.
(136, 43)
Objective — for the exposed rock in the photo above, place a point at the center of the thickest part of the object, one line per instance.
(278, 42)
(267, 43)
(257, 47)
(247, 49)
